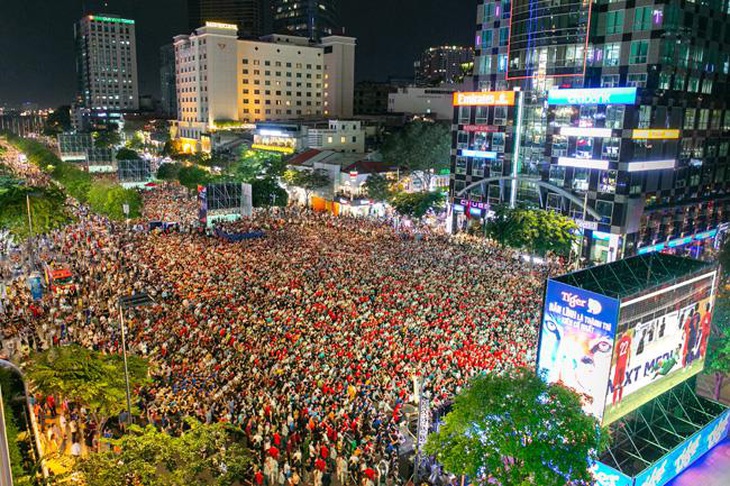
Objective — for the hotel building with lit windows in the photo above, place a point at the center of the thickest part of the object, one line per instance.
(621, 120)
(222, 80)
(106, 70)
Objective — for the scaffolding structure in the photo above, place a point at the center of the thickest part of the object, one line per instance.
(225, 198)
(134, 171)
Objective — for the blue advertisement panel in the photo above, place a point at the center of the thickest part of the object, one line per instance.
(576, 341)
(36, 289)
(671, 465)
(608, 476)
(594, 96)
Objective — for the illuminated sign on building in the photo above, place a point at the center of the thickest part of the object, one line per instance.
(651, 165)
(583, 163)
(655, 134)
(273, 148)
(480, 128)
(111, 19)
(485, 98)
(596, 96)
(585, 132)
(219, 25)
(479, 154)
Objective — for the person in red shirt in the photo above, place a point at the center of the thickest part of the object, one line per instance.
(623, 355)
(258, 477)
(706, 326)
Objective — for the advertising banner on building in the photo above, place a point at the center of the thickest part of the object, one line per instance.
(576, 341)
(203, 205)
(661, 341)
(608, 476)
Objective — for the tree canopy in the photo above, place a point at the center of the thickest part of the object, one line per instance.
(267, 192)
(109, 199)
(422, 148)
(204, 454)
(47, 207)
(718, 346)
(378, 187)
(192, 176)
(535, 230)
(89, 377)
(416, 204)
(515, 429)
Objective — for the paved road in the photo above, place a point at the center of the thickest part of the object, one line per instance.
(713, 469)
(6, 476)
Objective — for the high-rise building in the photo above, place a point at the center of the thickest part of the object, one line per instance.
(621, 120)
(223, 79)
(106, 68)
(167, 81)
(313, 19)
(443, 65)
(248, 15)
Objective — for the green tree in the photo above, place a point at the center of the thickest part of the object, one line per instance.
(204, 454)
(378, 187)
(109, 199)
(423, 148)
(125, 153)
(308, 180)
(108, 138)
(58, 121)
(89, 377)
(416, 204)
(718, 347)
(47, 207)
(536, 230)
(192, 176)
(266, 192)
(515, 429)
(168, 172)
(254, 164)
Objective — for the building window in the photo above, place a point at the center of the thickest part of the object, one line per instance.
(605, 209)
(557, 175)
(581, 177)
(482, 114)
(639, 50)
(500, 115)
(707, 86)
(460, 165)
(704, 119)
(611, 54)
(607, 181)
(615, 22)
(694, 84)
(637, 80)
(689, 119)
(615, 116)
(503, 36)
(642, 18)
(609, 81)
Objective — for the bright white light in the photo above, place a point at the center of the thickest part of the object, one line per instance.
(585, 132)
(651, 165)
(583, 163)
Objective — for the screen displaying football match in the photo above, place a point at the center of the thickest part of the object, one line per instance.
(661, 341)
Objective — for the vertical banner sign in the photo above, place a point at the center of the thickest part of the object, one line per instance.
(246, 200)
(36, 289)
(203, 205)
(576, 340)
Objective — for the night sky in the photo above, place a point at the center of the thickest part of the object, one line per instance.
(37, 51)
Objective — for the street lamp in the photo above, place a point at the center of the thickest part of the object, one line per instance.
(130, 302)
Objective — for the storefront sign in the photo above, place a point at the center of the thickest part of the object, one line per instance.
(273, 148)
(479, 154)
(597, 96)
(474, 204)
(659, 134)
(589, 225)
(219, 25)
(485, 98)
(480, 128)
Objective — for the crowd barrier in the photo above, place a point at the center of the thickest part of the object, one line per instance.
(235, 237)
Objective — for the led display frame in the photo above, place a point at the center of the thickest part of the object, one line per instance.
(592, 96)
(583, 163)
(651, 165)
(655, 134)
(479, 154)
(662, 342)
(586, 132)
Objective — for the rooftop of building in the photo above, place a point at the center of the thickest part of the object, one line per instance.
(347, 161)
(633, 275)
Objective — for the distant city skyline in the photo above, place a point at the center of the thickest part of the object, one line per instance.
(37, 42)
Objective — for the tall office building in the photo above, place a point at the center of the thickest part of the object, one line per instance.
(622, 120)
(443, 65)
(313, 19)
(106, 68)
(248, 15)
(167, 81)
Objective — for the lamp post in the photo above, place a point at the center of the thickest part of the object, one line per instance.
(129, 302)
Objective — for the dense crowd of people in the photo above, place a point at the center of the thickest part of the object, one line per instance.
(314, 340)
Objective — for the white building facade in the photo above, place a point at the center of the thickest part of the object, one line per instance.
(222, 79)
(431, 102)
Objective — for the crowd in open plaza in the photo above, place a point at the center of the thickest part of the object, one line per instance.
(312, 339)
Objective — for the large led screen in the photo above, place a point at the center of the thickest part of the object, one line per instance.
(661, 341)
(576, 341)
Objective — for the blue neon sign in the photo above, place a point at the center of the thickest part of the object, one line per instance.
(593, 96)
(479, 154)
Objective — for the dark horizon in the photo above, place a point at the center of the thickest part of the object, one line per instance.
(37, 54)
